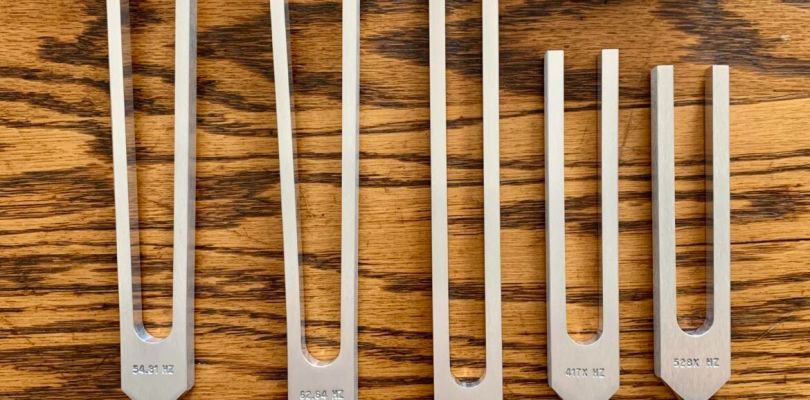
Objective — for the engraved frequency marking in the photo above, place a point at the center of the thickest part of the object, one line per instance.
(336, 394)
(708, 362)
(598, 373)
(153, 369)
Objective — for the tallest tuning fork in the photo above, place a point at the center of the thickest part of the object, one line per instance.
(154, 368)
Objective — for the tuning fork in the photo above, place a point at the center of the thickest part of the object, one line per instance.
(698, 363)
(446, 386)
(307, 377)
(582, 370)
(154, 368)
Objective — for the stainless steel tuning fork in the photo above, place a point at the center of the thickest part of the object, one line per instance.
(582, 370)
(154, 368)
(698, 363)
(446, 386)
(307, 377)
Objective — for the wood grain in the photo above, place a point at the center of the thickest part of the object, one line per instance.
(58, 293)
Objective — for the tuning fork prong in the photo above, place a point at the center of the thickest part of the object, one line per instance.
(698, 363)
(446, 386)
(154, 368)
(308, 377)
(582, 370)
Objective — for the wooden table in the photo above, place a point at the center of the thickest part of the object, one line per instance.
(58, 293)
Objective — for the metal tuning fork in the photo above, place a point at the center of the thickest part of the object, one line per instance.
(307, 377)
(582, 370)
(698, 363)
(446, 386)
(154, 368)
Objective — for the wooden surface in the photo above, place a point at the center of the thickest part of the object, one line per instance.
(58, 293)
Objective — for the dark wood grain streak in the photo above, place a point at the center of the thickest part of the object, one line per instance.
(58, 292)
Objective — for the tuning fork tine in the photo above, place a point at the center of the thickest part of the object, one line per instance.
(490, 386)
(153, 368)
(309, 378)
(582, 370)
(694, 364)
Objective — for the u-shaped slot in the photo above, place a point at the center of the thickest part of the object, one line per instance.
(153, 368)
(446, 386)
(597, 361)
(306, 374)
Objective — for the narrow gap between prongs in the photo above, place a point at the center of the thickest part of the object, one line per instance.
(694, 318)
(465, 201)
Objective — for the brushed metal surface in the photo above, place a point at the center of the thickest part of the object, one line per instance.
(490, 385)
(307, 377)
(694, 364)
(582, 370)
(154, 368)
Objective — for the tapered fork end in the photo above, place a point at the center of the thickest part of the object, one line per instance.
(156, 387)
(569, 388)
(702, 389)
(171, 392)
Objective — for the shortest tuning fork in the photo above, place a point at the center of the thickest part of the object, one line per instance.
(154, 368)
(582, 370)
(698, 363)
(307, 377)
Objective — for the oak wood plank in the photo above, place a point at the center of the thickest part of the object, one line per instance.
(58, 293)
